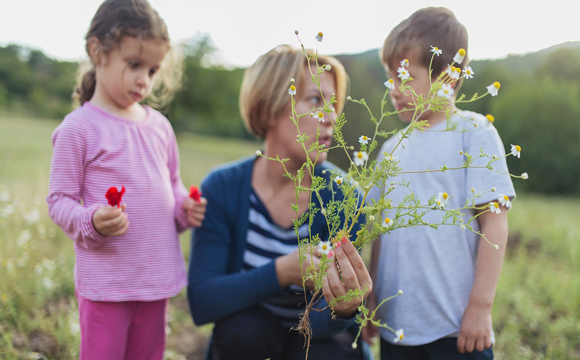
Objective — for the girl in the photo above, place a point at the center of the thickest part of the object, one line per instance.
(128, 258)
(244, 272)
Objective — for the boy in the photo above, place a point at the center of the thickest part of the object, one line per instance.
(449, 276)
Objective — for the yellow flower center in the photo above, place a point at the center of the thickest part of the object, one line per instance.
(319, 34)
(453, 68)
(445, 196)
(518, 148)
(359, 155)
(401, 336)
(506, 198)
(436, 48)
(461, 52)
(490, 118)
(496, 205)
(458, 70)
(339, 181)
(387, 221)
(293, 88)
(391, 81)
(496, 85)
(320, 115)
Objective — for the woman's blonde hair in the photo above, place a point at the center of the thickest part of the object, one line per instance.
(264, 92)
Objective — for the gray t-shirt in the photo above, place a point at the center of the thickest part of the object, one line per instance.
(436, 268)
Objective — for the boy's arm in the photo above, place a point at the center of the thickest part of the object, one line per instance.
(476, 326)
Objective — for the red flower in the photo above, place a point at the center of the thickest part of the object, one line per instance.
(194, 193)
(114, 196)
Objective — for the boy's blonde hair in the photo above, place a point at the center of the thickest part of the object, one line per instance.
(264, 92)
(432, 26)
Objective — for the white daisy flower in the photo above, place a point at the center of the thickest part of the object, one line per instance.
(371, 217)
(468, 72)
(505, 201)
(399, 335)
(441, 200)
(405, 63)
(458, 58)
(319, 116)
(338, 180)
(524, 176)
(516, 150)
(435, 50)
(292, 90)
(360, 157)
(363, 139)
(494, 207)
(446, 91)
(493, 88)
(258, 153)
(319, 37)
(390, 84)
(387, 222)
(324, 247)
(403, 73)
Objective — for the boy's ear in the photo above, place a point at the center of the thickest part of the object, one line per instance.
(95, 50)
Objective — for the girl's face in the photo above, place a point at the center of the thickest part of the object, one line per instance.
(281, 137)
(126, 75)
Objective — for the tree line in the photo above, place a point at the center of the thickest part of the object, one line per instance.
(537, 107)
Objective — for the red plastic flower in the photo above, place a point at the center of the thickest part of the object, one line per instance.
(114, 196)
(194, 193)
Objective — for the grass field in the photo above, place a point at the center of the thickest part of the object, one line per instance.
(536, 313)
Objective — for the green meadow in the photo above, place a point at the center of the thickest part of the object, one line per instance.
(536, 313)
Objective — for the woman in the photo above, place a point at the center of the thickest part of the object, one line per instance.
(244, 270)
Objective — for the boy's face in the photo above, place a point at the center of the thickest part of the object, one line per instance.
(420, 84)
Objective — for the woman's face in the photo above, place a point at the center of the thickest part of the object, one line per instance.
(281, 137)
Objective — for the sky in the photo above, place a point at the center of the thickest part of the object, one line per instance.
(242, 30)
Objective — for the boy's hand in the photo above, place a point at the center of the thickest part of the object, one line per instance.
(111, 221)
(288, 269)
(475, 332)
(195, 211)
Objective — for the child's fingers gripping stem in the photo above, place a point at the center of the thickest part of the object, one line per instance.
(111, 221)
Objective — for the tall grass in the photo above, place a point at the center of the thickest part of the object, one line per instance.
(536, 313)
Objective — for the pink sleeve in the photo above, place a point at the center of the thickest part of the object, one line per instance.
(66, 177)
(179, 190)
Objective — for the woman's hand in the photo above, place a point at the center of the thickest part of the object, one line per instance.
(354, 276)
(111, 220)
(195, 211)
(288, 268)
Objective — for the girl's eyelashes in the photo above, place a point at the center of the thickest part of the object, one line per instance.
(153, 71)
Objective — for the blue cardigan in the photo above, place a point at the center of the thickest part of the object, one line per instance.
(217, 287)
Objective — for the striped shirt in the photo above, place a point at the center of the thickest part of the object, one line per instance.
(94, 150)
(265, 242)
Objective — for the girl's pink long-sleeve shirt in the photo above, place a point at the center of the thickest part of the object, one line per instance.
(94, 150)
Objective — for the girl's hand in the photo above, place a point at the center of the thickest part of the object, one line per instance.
(354, 276)
(111, 221)
(195, 211)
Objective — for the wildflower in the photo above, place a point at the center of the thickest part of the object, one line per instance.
(400, 292)
(323, 211)
(524, 176)
(371, 217)
(319, 37)
(360, 157)
(390, 84)
(195, 193)
(349, 98)
(292, 90)
(363, 139)
(516, 149)
(324, 247)
(327, 67)
(493, 88)
(494, 207)
(490, 118)
(114, 196)
(453, 72)
(399, 335)
(258, 153)
(354, 345)
(446, 91)
(405, 62)
(403, 73)
(387, 222)
(493, 189)
(292, 80)
(505, 201)
(442, 199)
(458, 58)
(338, 180)
(468, 72)
(435, 50)
(319, 116)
